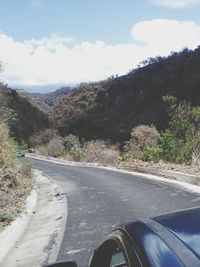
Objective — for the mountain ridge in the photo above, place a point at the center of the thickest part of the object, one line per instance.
(111, 108)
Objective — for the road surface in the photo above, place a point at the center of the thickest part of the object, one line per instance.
(99, 199)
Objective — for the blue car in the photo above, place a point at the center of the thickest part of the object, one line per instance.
(172, 240)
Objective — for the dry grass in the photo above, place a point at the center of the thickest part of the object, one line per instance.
(15, 185)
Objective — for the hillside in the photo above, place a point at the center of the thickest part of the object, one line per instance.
(54, 97)
(111, 108)
(46, 101)
(16, 179)
(23, 118)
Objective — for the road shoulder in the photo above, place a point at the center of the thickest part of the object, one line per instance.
(37, 240)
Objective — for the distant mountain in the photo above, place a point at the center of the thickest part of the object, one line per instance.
(47, 88)
(111, 108)
(54, 97)
(27, 118)
(47, 100)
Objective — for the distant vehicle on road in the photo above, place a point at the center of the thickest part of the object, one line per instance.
(20, 154)
(171, 240)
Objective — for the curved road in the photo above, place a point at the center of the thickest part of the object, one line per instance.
(99, 199)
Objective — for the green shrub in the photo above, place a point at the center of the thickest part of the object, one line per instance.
(168, 144)
(122, 159)
(73, 147)
(151, 154)
(173, 149)
(168, 148)
(179, 127)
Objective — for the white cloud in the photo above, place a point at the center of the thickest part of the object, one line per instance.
(176, 3)
(56, 59)
(53, 42)
(163, 35)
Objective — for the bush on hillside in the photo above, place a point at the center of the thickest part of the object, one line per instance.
(141, 137)
(181, 142)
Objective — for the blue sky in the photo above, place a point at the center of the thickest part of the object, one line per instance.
(46, 42)
(85, 20)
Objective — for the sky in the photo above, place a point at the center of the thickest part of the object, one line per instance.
(46, 43)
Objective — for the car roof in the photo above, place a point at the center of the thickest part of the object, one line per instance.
(169, 240)
(185, 225)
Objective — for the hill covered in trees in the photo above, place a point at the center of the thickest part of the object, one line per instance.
(22, 117)
(110, 109)
(46, 101)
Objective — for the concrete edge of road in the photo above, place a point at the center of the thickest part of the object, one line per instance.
(187, 181)
(62, 161)
(184, 177)
(38, 219)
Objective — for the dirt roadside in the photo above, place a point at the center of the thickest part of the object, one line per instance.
(46, 219)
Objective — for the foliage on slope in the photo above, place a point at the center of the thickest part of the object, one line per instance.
(70, 147)
(23, 118)
(110, 109)
(15, 178)
(45, 101)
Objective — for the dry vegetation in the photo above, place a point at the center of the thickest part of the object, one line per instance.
(102, 152)
(142, 136)
(71, 148)
(23, 119)
(15, 178)
(110, 109)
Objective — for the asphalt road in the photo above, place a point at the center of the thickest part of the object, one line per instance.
(99, 199)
